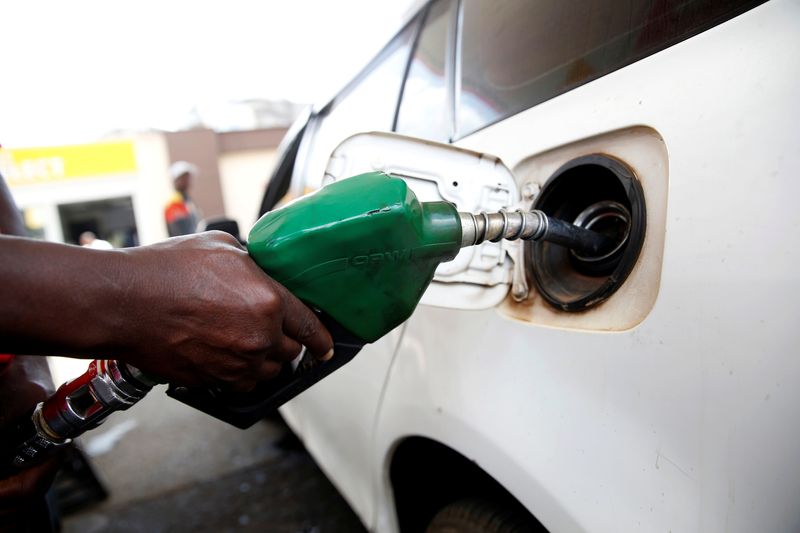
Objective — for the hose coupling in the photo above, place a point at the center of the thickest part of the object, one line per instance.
(78, 405)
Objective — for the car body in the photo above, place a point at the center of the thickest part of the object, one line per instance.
(670, 405)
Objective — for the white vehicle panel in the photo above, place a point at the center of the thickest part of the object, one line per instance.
(335, 421)
(688, 422)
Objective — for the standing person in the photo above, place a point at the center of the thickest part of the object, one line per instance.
(180, 213)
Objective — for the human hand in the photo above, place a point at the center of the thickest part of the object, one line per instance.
(199, 312)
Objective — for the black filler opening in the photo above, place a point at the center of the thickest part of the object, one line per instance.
(600, 193)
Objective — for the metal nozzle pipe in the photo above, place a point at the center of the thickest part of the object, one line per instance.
(530, 226)
(78, 405)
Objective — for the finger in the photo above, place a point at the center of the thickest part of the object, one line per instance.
(286, 350)
(301, 324)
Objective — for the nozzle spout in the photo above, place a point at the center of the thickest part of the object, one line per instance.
(531, 225)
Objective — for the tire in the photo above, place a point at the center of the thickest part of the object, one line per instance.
(480, 516)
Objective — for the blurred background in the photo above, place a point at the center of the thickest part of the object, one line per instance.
(140, 85)
(98, 100)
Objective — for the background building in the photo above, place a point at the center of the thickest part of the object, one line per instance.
(118, 188)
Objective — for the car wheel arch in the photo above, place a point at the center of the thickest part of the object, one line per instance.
(426, 475)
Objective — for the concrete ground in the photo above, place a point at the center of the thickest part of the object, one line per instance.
(169, 467)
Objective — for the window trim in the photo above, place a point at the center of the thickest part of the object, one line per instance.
(422, 17)
(456, 84)
(312, 128)
(374, 63)
(450, 66)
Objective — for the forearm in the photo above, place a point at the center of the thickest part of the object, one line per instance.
(193, 310)
(57, 299)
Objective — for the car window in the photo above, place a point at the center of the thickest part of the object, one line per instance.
(281, 178)
(368, 103)
(518, 53)
(424, 109)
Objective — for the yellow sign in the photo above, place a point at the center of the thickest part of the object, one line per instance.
(26, 166)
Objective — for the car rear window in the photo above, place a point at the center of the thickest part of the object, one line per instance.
(423, 109)
(518, 53)
(367, 103)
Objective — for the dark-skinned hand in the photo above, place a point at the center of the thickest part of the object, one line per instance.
(193, 310)
(205, 314)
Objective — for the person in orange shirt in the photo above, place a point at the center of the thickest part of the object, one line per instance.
(180, 214)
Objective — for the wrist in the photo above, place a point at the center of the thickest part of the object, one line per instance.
(94, 320)
(121, 302)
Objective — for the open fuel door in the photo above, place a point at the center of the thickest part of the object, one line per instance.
(614, 183)
(480, 276)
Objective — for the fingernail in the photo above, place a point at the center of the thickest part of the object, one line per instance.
(328, 355)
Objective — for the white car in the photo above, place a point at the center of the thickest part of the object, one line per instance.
(655, 390)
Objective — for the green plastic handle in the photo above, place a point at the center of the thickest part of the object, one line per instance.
(362, 249)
